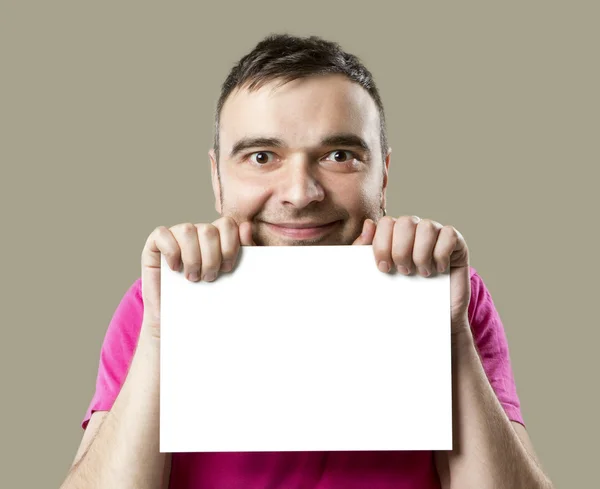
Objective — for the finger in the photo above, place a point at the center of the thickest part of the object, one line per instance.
(161, 241)
(403, 243)
(367, 234)
(245, 230)
(187, 239)
(425, 240)
(382, 243)
(447, 242)
(230, 242)
(210, 249)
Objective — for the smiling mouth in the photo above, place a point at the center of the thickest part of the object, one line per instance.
(302, 230)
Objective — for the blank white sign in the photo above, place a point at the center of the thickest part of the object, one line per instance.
(305, 348)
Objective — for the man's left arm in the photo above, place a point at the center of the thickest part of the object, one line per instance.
(490, 451)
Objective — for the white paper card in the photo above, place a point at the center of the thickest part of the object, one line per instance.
(305, 348)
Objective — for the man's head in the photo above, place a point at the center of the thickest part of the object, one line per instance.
(300, 141)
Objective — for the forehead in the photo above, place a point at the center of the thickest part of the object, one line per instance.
(301, 112)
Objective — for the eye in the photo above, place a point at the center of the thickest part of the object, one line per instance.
(261, 157)
(338, 155)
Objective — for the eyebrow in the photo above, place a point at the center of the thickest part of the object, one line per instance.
(347, 140)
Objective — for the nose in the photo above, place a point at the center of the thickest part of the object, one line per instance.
(300, 186)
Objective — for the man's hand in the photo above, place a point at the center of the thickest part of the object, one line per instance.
(204, 249)
(409, 243)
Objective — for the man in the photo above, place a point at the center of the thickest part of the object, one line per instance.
(301, 158)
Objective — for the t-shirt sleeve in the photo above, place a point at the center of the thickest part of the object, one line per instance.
(492, 345)
(117, 350)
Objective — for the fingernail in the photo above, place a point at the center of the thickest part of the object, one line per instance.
(193, 276)
(423, 271)
(209, 277)
(402, 269)
(440, 267)
(384, 266)
(226, 266)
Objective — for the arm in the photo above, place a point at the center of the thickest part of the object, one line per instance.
(124, 452)
(487, 452)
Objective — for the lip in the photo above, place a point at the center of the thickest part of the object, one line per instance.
(301, 230)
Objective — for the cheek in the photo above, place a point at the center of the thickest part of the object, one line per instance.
(356, 194)
(371, 196)
(243, 199)
(372, 187)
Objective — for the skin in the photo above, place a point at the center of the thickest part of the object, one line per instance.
(304, 181)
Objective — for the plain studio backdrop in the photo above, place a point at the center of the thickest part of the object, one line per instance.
(106, 114)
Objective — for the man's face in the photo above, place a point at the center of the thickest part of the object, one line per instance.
(299, 188)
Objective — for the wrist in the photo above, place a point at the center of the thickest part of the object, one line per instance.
(461, 335)
(148, 345)
(150, 330)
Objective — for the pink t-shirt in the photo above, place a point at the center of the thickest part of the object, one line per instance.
(305, 470)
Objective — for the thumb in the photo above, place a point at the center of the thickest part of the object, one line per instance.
(367, 235)
(245, 230)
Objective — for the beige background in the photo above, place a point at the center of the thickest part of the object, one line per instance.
(106, 118)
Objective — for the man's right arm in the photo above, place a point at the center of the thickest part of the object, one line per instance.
(122, 448)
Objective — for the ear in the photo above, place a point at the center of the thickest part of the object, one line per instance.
(215, 180)
(385, 177)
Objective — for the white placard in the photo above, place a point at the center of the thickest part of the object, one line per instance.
(305, 348)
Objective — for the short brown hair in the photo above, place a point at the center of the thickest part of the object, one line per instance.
(286, 57)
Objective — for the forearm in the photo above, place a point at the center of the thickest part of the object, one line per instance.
(487, 451)
(125, 452)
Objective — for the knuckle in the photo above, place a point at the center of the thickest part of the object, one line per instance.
(427, 224)
(210, 267)
(160, 238)
(228, 221)
(228, 252)
(160, 231)
(406, 221)
(449, 228)
(387, 220)
(208, 231)
(229, 234)
(452, 232)
(186, 229)
(193, 264)
(421, 259)
(439, 258)
(400, 258)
